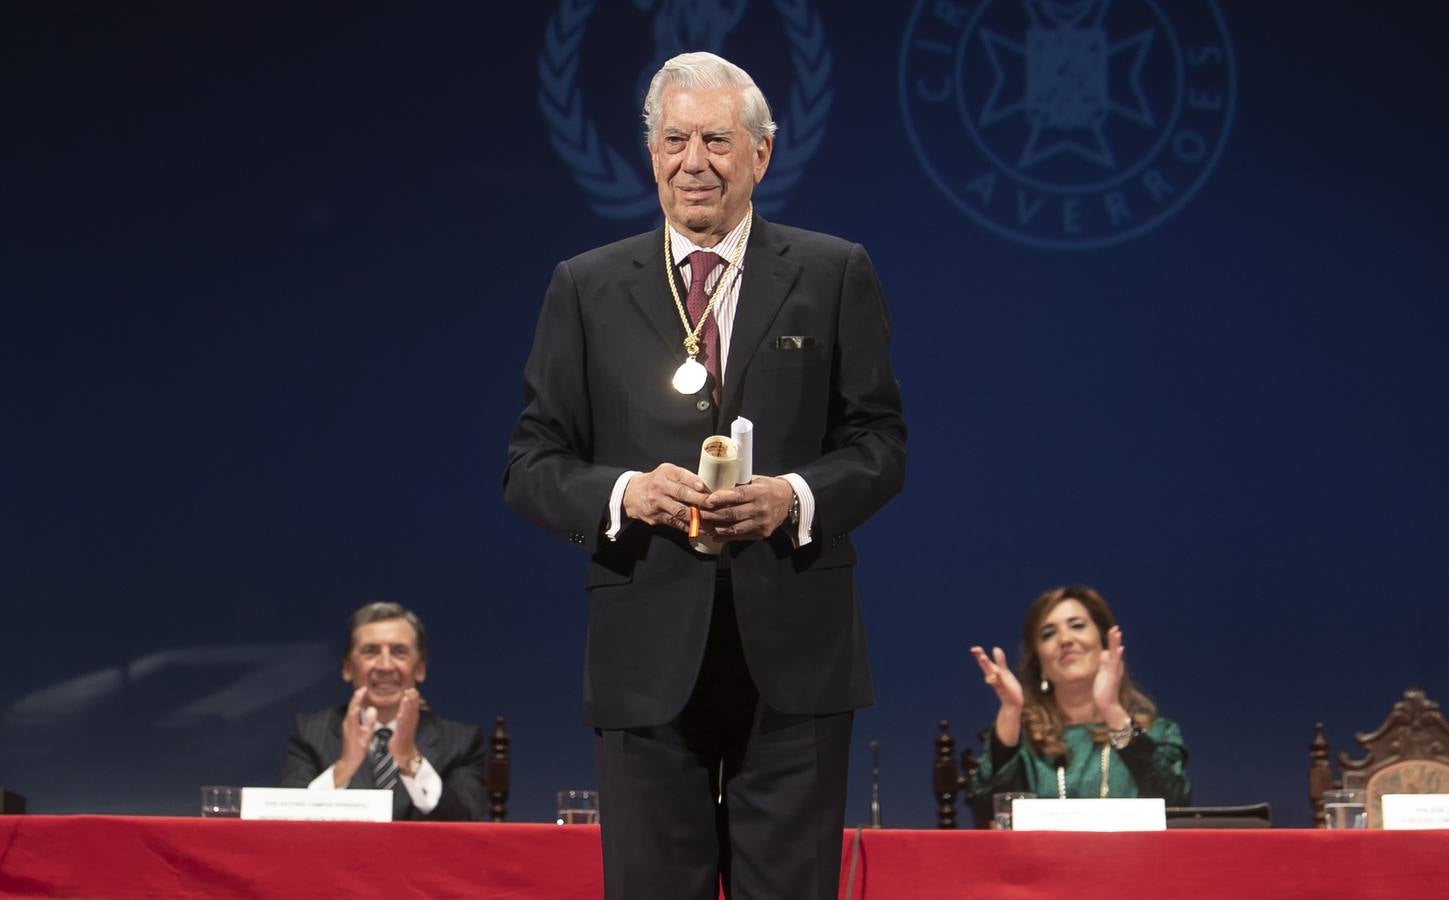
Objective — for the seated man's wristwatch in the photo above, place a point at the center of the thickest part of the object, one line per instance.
(411, 765)
(794, 515)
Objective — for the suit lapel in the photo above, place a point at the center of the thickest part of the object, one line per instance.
(768, 277)
(649, 289)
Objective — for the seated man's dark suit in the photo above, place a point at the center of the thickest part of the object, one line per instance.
(453, 749)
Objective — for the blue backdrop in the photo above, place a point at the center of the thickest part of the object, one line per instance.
(1168, 290)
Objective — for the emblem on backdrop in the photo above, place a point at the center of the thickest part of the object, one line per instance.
(1070, 124)
(615, 175)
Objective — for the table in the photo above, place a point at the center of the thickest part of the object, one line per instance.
(130, 858)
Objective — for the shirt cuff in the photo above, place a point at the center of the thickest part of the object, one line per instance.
(801, 537)
(616, 505)
(323, 782)
(425, 788)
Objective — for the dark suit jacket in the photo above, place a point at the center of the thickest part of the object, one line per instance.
(598, 402)
(455, 750)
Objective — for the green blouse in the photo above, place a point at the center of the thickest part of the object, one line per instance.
(1152, 765)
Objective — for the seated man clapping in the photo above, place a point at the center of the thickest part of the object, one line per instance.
(385, 736)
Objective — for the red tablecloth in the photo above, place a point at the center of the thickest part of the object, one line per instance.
(125, 857)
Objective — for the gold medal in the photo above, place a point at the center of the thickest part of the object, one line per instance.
(690, 376)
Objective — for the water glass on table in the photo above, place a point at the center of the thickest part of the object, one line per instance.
(220, 802)
(578, 807)
(1001, 807)
(1345, 808)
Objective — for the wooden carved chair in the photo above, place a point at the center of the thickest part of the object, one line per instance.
(950, 781)
(496, 771)
(1409, 754)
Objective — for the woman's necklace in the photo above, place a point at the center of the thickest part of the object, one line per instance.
(1106, 767)
(691, 376)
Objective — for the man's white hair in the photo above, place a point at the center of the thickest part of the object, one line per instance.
(707, 71)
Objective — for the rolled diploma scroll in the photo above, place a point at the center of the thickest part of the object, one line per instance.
(743, 431)
(719, 467)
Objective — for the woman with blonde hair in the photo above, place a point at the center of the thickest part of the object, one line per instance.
(1070, 721)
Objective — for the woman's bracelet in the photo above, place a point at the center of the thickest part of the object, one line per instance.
(1121, 737)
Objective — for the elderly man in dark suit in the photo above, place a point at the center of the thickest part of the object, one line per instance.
(385, 737)
(721, 685)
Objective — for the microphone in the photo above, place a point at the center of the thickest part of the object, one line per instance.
(874, 817)
(875, 784)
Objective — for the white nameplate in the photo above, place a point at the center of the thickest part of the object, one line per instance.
(1406, 811)
(1124, 814)
(360, 805)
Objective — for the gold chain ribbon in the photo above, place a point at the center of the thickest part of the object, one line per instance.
(691, 335)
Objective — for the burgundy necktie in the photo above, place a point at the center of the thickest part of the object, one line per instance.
(701, 263)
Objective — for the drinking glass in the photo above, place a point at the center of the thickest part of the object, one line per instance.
(220, 801)
(578, 807)
(1345, 809)
(1001, 806)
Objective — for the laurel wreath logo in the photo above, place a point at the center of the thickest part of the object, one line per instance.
(613, 183)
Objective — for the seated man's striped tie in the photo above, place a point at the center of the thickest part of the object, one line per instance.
(384, 767)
